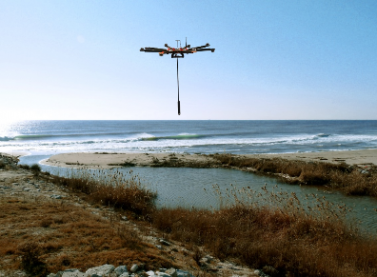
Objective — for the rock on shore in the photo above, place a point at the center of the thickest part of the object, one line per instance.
(136, 270)
(8, 160)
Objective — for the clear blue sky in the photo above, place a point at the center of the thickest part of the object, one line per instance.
(273, 59)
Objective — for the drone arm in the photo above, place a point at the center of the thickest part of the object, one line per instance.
(149, 49)
(154, 49)
(205, 49)
(202, 46)
(166, 45)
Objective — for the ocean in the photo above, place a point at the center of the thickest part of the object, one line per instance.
(238, 137)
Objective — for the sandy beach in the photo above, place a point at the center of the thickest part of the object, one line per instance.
(355, 157)
(106, 160)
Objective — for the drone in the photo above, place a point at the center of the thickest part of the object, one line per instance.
(178, 52)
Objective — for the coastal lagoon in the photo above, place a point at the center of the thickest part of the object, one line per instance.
(189, 187)
(213, 188)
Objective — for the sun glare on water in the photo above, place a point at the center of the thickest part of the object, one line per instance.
(5, 126)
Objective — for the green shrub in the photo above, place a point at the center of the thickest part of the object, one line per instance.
(31, 262)
(24, 166)
(36, 169)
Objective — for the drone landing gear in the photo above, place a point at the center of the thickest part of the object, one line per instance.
(177, 55)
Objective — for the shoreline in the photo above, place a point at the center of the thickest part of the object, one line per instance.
(351, 157)
(359, 158)
(109, 160)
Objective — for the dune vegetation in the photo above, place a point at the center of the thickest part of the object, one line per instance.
(293, 239)
(269, 229)
(352, 180)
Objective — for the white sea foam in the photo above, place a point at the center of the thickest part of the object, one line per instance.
(127, 136)
(135, 143)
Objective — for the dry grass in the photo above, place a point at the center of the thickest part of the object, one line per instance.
(48, 237)
(340, 176)
(24, 166)
(296, 240)
(290, 238)
(41, 237)
(110, 190)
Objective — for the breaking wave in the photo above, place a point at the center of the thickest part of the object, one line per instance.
(176, 137)
(148, 142)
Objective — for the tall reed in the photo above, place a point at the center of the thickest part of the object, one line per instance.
(353, 180)
(111, 189)
(297, 240)
(260, 229)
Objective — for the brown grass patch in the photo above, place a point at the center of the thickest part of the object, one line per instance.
(114, 191)
(349, 179)
(295, 240)
(291, 240)
(30, 254)
(289, 237)
(46, 237)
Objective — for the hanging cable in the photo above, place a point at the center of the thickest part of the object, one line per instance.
(179, 103)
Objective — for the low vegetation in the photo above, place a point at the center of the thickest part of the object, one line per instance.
(36, 169)
(110, 190)
(47, 237)
(24, 166)
(350, 179)
(295, 240)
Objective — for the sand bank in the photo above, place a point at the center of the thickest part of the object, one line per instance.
(106, 160)
(355, 157)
